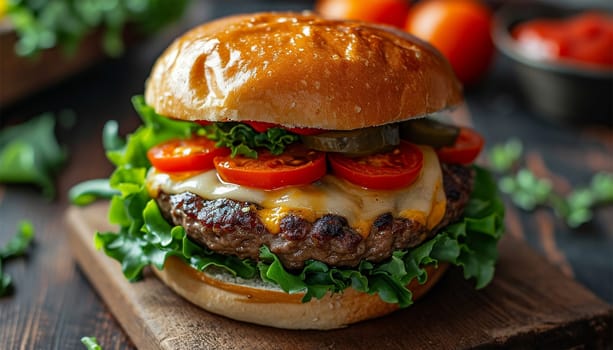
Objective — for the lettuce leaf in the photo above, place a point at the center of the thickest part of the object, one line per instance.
(155, 130)
(145, 237)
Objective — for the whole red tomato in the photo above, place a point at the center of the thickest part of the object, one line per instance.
(391, 12)
(460, 29)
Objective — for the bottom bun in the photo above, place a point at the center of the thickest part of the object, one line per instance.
(261, 303)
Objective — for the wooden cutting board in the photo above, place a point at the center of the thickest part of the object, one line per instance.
(530, 304)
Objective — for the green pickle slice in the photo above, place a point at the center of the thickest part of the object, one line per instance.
(427, 131)
(358, 142)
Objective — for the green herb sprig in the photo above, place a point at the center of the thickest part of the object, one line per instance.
(91, 343)
(16, 246)
(42, 25)
(528, 191)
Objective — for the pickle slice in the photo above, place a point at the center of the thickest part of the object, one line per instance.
(355, 142)
(427, 131)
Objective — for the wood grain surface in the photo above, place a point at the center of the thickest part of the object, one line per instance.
(529, 303)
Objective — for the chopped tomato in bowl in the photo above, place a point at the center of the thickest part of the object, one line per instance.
(584, 38)
(566, 91)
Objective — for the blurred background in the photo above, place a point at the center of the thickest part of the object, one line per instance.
(538, 82)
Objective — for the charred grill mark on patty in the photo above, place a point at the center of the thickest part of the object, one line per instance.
(233, 227)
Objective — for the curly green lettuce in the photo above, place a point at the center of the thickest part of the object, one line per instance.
(243, 140)
(146, 238)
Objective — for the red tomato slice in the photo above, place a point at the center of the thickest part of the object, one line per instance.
(467, 147)
(382, 171)
(296, 166)
(195, 154)
(305, 131)
(261, 126)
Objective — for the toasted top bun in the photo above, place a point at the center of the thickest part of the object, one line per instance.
(299, 70)
(255, 302)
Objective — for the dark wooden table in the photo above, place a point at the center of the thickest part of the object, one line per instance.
(54, 305)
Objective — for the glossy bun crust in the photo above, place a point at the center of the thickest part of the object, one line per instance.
(300, 70)
(254, 303)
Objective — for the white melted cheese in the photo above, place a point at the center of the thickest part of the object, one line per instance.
(424, 200)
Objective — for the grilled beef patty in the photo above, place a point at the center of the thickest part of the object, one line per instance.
(233, 227)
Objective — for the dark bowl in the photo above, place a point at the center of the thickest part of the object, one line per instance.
(561, 91)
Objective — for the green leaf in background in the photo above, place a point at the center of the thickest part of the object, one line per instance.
(42, 25)
(6, 282)
(110, 136)
(505, 155)
(16, 246)
(88, 191)
(527, 191)
(30, 153)
(91, 343)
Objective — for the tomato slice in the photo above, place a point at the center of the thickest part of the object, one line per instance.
(194, 154)
(305, 131)
(296, 166)
(467, 147)
(381, 171)
(261, 126)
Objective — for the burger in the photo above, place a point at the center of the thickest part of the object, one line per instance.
(296, 172)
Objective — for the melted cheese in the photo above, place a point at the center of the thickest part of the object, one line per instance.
(271, 217)
(423, 201)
